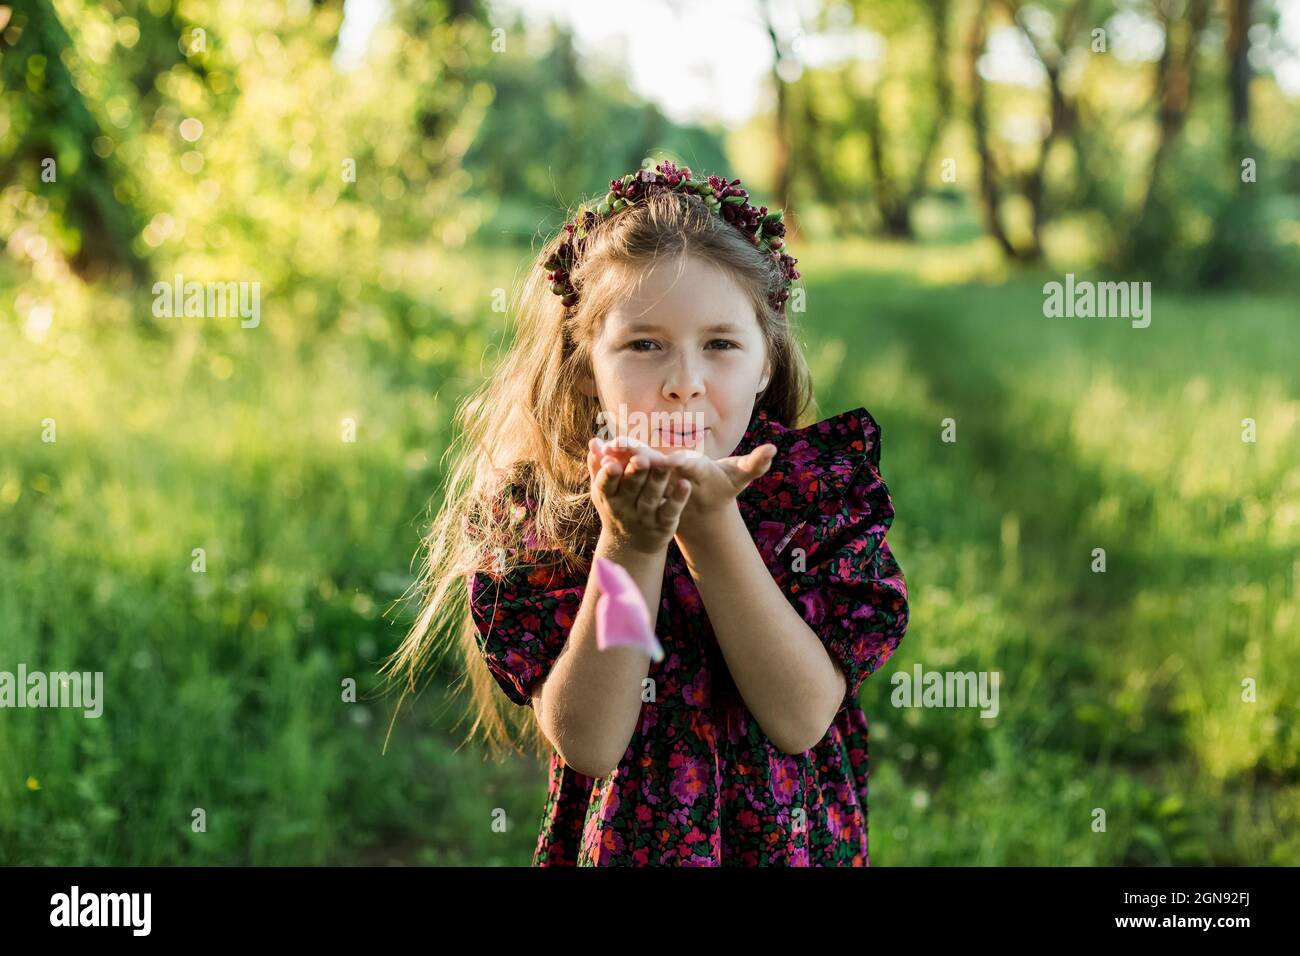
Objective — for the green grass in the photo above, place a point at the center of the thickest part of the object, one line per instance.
(1119, 691)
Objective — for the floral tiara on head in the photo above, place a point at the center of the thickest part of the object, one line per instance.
(726, 199)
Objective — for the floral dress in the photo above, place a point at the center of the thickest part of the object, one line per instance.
(700, 783)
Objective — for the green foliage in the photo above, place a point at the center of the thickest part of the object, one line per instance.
(553, 135)
(1120, 691)
(229, 160)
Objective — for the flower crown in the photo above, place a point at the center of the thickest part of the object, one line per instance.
(762, 228)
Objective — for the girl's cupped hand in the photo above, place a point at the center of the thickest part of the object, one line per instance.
(638, 493)
(714, 483)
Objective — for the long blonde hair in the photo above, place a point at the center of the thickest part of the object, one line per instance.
(530, 423)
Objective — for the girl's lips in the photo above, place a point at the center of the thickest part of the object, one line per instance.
(686, 437)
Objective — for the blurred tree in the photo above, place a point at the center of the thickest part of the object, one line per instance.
(55, 145)
(1062, 121)
(893, 117)
(1236, 53)
(434, 119)
(894, 200)
(781, 171)
(1154, 225)
(555, 134)
(236, 147)
(1241, 249)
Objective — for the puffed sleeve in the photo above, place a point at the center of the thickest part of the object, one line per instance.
(852, 592)
(523, 616)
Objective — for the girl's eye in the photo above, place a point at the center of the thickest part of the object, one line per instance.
(729, 345)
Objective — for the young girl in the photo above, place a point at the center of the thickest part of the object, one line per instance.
(760, 544)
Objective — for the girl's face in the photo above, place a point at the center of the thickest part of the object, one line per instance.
(680, 362)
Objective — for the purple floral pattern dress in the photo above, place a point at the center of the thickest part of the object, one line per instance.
(700, 783)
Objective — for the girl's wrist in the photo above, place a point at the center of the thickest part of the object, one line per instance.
(707, 526)
(627, 552)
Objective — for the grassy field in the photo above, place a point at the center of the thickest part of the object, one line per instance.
(1119, 690)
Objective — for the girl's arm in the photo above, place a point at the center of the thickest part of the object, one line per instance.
(789, 682)
(589, 703)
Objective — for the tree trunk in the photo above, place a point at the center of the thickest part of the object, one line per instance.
(895, 216)
(988, 185)
(1236, 50)
(1175, 73)
(1235, 253)
(846, 203)
(939, 11)
(1063, 116)
(61, 119)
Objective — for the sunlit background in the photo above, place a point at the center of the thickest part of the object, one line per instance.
(221, 515)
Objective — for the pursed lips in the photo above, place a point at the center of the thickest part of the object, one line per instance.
(688, 434)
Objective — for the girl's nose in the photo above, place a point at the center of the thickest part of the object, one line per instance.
(683, 385)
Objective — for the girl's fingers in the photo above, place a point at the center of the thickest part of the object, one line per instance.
(609, 479)
(624, 456)
(760, 460)
(626, 452)
(686, 463)
(618, 448)
(678, 493)
(625, 442)
(652, 494)
(633, 481)
(637, 477)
